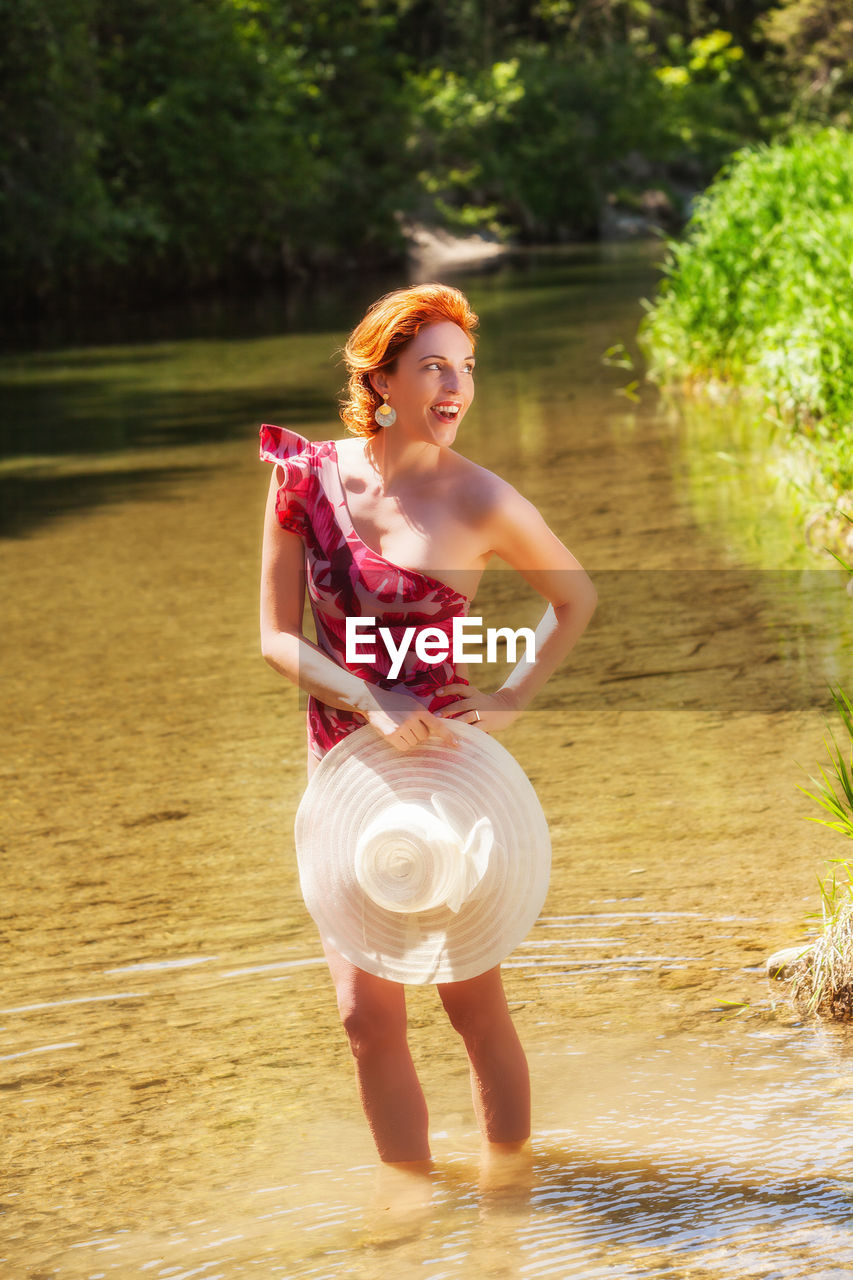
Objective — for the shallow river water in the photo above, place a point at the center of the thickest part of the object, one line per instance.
(179, 1100)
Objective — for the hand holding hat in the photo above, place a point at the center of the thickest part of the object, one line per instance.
(493, 711)
(402, 717)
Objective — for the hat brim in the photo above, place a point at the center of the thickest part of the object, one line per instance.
(353, 782)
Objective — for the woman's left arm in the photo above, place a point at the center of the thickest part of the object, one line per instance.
(520, 536)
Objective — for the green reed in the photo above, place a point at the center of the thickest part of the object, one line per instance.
(822, 980)
(758, 292)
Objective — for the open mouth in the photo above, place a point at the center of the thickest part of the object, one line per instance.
(447, 412)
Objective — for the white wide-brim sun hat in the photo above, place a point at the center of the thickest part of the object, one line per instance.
(425, 865)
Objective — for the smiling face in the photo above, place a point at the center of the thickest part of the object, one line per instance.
(433, 383)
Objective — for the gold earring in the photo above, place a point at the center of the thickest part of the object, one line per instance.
(385, 416)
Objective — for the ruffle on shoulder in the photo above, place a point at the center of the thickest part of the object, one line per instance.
(280, 443)
(291, 451)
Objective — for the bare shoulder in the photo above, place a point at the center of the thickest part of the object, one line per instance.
(488, 500)
(478, 489)
(514, 529)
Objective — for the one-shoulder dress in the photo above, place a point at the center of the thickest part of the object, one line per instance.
(346, 578)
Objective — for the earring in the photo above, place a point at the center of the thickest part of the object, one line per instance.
(385, 416)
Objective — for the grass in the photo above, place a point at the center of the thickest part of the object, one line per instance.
(757, 294)
(822, 980)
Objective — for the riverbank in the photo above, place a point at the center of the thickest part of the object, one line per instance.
(753, 306)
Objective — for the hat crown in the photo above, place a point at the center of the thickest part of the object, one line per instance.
(417, 857)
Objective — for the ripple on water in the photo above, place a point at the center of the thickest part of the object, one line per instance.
(716, 1155)
(686, 1159)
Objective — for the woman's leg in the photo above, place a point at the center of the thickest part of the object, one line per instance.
(500, 1080)
(373, 1013)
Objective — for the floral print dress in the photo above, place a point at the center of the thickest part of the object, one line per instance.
(346, 578)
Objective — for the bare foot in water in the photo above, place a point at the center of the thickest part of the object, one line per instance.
(402, 1201)
(506, 1174)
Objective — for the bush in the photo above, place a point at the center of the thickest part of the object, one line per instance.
(757, 292)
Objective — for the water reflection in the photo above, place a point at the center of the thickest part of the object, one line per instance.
(180, 1097)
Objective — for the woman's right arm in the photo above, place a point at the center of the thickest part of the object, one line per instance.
(283, 644)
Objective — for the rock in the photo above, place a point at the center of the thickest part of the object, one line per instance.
(433, 248)
(637, 166)
(618, 223)
(782, 963)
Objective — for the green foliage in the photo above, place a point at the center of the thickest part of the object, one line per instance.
(534, 143)
(837, 796)
(183, 143)
(757, 292)
(53, 206)
(811, 51)
(176, 141)
(711, 98)
(180, 141)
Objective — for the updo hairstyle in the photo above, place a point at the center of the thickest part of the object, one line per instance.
(387, 326)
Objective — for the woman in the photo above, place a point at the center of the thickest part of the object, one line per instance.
(356, 511)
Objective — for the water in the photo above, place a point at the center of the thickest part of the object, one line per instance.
(179, 1098)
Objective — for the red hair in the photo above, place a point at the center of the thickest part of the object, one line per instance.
(387, 326)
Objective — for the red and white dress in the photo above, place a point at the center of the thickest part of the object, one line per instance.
(346, 578)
